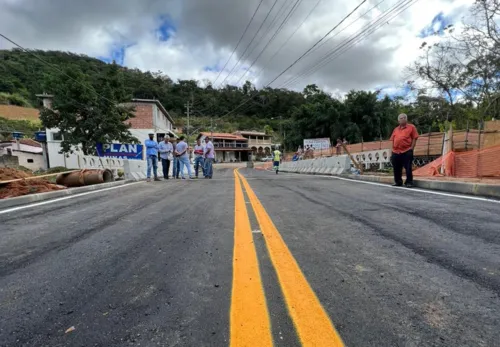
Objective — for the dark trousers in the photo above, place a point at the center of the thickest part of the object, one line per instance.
(176, 168)
(199, 161)
(165, 163)
(400, 161)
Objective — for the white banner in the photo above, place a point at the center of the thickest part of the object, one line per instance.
(317, 144)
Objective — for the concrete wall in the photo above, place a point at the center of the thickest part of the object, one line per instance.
(38, 162)
(492, 125)
(57, 159)
(161, 121)
(8, 160)
(492, 133)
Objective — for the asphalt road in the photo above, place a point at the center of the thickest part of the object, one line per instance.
(288, 260)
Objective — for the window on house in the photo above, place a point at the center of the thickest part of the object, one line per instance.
(56, 136)
(31, 161)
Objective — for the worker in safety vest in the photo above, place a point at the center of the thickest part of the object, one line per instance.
(276, 160)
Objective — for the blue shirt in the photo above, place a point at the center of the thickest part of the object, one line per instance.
(151, 147)
(165, 149)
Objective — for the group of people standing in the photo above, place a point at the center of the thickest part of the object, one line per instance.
(177, 153)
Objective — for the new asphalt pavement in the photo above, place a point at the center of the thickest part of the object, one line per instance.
(251, 259)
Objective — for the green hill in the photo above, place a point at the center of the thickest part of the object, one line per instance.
(311, 113)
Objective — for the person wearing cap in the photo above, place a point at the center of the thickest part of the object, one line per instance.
(152, 156)
(404, 138)
(166, 154)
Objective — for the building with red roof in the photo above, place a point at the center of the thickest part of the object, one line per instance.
(228, 147)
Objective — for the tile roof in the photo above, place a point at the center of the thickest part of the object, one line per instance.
(224, 136)
(257, 133)
(29, 142)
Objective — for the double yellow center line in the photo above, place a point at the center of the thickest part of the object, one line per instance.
(250, 323)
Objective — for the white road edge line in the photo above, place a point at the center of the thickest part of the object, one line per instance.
(64, 198)
(413, 189)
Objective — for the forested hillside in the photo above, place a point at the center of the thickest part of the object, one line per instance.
(455, 81)
(312, 112)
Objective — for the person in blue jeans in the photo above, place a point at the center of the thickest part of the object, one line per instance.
(183, 155)
(198, 158)
(152, 157)
(209, 155)
(176, 163)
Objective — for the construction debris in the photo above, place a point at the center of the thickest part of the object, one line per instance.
(23, 187)
(85, 177)
(7, 174)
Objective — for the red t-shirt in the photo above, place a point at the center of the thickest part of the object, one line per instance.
(402, 137)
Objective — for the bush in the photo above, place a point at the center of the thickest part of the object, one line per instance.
(14, 99)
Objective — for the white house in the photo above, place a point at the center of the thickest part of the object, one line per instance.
(24, 152)
(150, 116)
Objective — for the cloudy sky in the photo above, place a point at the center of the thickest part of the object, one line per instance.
(195, 38)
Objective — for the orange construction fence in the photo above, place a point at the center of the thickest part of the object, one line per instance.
(430, 144)
(475, 163)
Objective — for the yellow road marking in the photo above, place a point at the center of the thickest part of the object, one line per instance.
(249, 318)
(310, 319)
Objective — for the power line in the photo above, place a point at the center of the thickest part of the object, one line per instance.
(289, 37)
(348, 42)
(27, 75)
(318, 42)
(294, 7)
(268, 28)
(409, 3)
(347, 26)
(303, 73)
(251, 41)
(314, 45)
(57, 69)
(340, 49)
(239, 41)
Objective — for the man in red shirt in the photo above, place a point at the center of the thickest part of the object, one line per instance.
(404, 138)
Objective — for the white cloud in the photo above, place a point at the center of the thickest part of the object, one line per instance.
(207, 31)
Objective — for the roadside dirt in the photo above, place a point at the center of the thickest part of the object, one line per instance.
(24, 187)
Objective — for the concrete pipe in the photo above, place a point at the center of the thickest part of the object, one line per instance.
(85, 178)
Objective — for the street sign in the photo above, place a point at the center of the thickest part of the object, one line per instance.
(41, 136)
(119, 150)
(17, 135)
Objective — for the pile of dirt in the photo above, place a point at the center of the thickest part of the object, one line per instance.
(20, 188)
(7, 173)
(24, 187)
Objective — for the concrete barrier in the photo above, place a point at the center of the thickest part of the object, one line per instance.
(135, 170)
(380, 157)
(330, 165)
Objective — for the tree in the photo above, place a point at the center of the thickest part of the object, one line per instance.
(464, 68)
(84, 117)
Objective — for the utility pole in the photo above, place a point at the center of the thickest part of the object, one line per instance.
(187, 106)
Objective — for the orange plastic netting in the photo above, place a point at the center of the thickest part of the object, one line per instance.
(476, 163)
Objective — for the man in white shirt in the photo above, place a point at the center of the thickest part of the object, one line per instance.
(166, 154)
(182, 153)
(209, 155)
